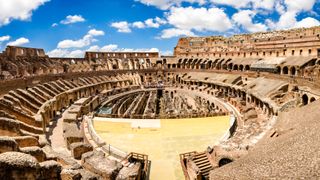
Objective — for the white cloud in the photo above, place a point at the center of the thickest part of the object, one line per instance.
(85, 41)
(280, 8)
(106, 48)
(70, 19)
(110, 47)
(299, 5)
(115, 48)
(199, 19)
(254, 4)
(307, 22)
(244, 19)
(122, 26)
(138, 24)
(287, 20)
(66, 53)
(125, 27)
(19, 42)
(17, 9)
(264, 4)
(93, 48)
(76, 54)
(150, 23)
(79, 53)
(54, 25)
(166, 4)
(173, 32)
(160, 21)
(233, 3)
(58, 53)
(137, 50)
(4, 38)
(289, 11)
(94, 32)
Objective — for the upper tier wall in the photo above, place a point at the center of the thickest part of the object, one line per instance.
(296, 42)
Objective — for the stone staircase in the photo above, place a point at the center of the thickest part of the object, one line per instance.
(203, 163)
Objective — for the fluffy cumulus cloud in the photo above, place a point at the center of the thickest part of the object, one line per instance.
(17, 9)
(166, 4)
(173, 32)
(289, 11)
(122, 26)
(307, 22)
(70, 19)
(299, 5)
(244, 19)
(84, 41)
(19, 42)
(199, 19)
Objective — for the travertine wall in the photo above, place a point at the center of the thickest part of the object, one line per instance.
(296, 42)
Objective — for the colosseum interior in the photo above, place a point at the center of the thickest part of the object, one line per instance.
(242, 107)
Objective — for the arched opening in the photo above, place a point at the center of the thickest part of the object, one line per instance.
(209, 64)
(312, 99)
(305, 99)
(293, 71)
(247, 68)
(278, 70)
(241, 67)
(230, 66)
(285, 70)
(224, 161)
(114, 66)
(235, 67)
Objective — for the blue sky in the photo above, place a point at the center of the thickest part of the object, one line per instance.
(68, 28)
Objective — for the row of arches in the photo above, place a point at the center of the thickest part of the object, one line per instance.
(306, 99)
(287, 70)
(228, 64)
(225, 91)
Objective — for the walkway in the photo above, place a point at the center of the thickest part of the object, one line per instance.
(57, 141)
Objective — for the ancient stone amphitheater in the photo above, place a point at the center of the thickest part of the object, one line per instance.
(267, 84)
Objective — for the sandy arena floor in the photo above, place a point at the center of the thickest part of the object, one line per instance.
(164, 144)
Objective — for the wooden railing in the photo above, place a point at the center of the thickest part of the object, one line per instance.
(143, 159)
(183, 158)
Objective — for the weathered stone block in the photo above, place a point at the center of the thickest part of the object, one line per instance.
(77, 149)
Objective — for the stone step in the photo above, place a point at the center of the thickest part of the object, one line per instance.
(37, 95)
(46, 90)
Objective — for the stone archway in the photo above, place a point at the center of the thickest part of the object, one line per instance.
(235, 67)
(224, 161)
(285, 70)
(305, 99)
(293, 71)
